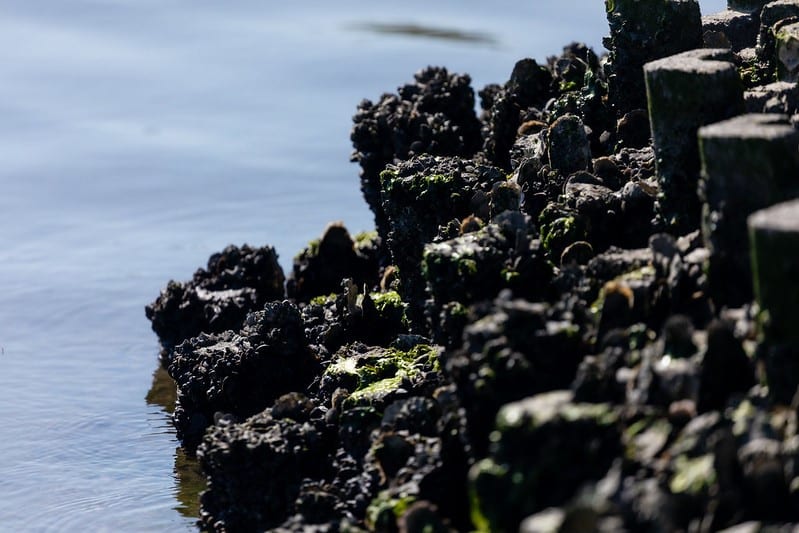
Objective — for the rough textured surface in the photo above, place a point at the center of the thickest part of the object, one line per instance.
(477, 266)
(736, 29)
(779, 97)
(522, 346)
(787, 52)
(749, 6)
(641, 32)
(748, 163)
(771, 19)
(325, 263)
(529, 87)
(433, 115)
(420, 198)
(569, 150)
(545, 448)
(255, 469)
(773, 233)
(240, 374)
(687, 91)
(512, 349)
(236, 281)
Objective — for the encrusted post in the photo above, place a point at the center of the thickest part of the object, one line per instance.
(770, 17)
(773, 12)
(641, 31)
(569, 150)
(686, 91)
(733, 28)
(748, 6)
(774, 236)
(746, 162)
(787, 52)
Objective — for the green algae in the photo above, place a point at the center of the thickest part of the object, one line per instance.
(310, 250)
(387, 301)
(385, 509)
(365, 238)
(374, 391)
(376, 374)
(486, 476)
(390, 181)
(558, 230)
(693, 476)
(323, 299)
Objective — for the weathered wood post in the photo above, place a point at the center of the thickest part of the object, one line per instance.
(748, 6)
(686, 91)
(770, 17)
(747, 164)
(774, 238)
(787, 52)
(641, 31)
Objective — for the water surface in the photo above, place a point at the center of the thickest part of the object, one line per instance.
(137, 138)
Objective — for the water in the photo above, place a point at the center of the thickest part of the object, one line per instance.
(138, 137)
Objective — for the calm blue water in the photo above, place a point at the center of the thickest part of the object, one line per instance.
(138, 137)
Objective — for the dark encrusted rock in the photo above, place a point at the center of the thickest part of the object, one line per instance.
(598, 206)
(560, 226)
(412, 468)
(421, 197)
(325, 263)
(772, 17)
(545, 447)
(641, 32)
(478, 265)
(363, 376)
(636, 218)
(419, 455)
(334, 320)
(539, 183)
(674, 283)
(569, 150)
(433, 115)
(615, 262)
(236, 281)
(255, 469)
(738, 28)
(415, 452)
(589, 210)
(436, 352)
(240, 373)
(632, 129)
(582, 91)
(601, 378)
(507, 107)
(513, 349)
(779, 97)
(665, 381)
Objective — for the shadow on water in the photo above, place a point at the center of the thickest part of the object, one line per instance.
(425, 32)
(189, 479)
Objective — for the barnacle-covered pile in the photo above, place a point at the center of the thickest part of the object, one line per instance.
(551, 328)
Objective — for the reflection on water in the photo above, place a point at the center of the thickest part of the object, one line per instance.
(163, 391)
(189, 479)
(190, 483)
(426, 32)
